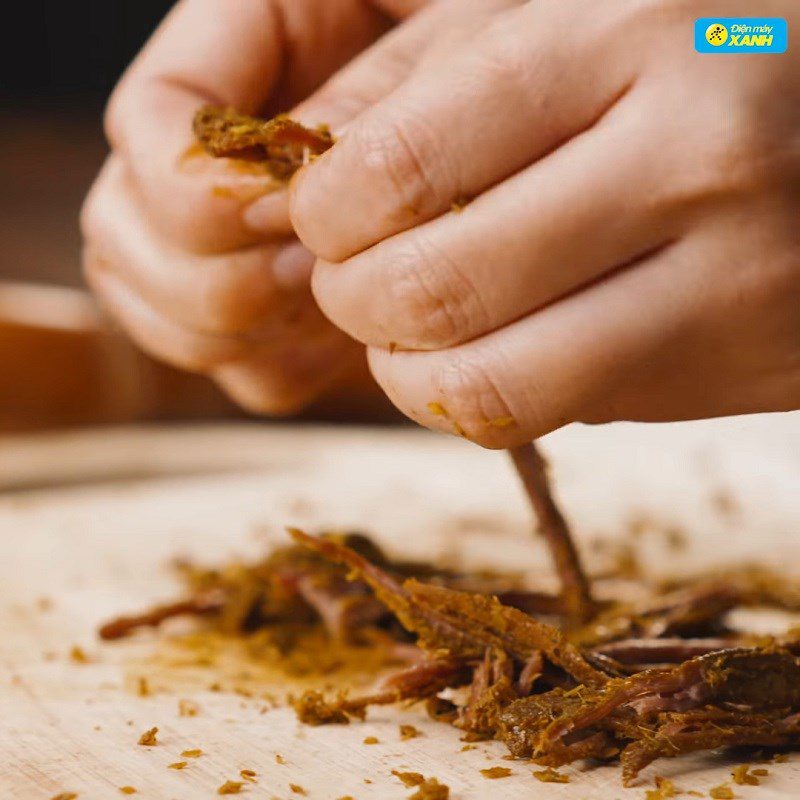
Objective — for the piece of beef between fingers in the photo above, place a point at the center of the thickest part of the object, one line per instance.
(280, 144)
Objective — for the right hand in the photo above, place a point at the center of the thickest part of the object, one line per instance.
(196, 258)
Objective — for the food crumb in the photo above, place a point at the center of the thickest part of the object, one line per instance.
(665, 789)
(437, 409)
(143, 687)
(178, 765)
(409, 732)
(195, 753)
(409, 778)
(492, 773)
(248, 774)
(502, 422)
(148, 738)
(371, 740)
(127, 789)
(550, 776)
(279, 759)
(467, 747)
(297, 789)
(431, 789)
(722, 792)
(230, 787)
(760, 772)
(77, 655)
(64, 796)
(743, 777)
(188, 708)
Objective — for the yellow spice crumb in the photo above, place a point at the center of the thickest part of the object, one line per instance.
(722, 792)
(148, 738)
(550, 776)
(492, 773)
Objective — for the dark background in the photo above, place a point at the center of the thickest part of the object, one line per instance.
(58, 64)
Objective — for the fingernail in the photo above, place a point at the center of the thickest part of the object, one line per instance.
(292, 266)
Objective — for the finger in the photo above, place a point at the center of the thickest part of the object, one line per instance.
(154, 332)
(375, 73)
(205, 51)
(287, 380)
(275, 377)
(523, 244)
(447, 132)
(226, 294)
(545, 370)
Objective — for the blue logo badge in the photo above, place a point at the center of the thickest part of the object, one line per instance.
(741, 35)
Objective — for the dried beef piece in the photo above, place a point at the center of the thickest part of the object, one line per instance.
(575, 590)
(705, 730)
(492, 688)
(460, 624)
(280, 144)
(740, 687)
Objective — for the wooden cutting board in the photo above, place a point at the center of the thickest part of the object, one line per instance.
(89, 522)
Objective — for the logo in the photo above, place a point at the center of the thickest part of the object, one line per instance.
(741, 35)
(716, 34)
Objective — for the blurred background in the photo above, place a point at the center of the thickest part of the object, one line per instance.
(62, 60)
(61, 363)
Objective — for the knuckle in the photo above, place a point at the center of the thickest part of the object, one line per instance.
(400, 155)
(734, 156)
(429, 300)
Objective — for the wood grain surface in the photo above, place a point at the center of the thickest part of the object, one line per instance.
(89, 523)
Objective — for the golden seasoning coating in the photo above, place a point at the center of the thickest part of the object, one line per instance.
(280, 144)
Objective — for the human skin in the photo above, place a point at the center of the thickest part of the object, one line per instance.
(631, 250)
(195, 258)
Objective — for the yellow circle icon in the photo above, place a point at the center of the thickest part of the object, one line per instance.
(716, 34)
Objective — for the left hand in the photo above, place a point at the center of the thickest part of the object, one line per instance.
(632, 250)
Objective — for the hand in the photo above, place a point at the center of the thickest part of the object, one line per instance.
(196, 258)
(632, 248)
